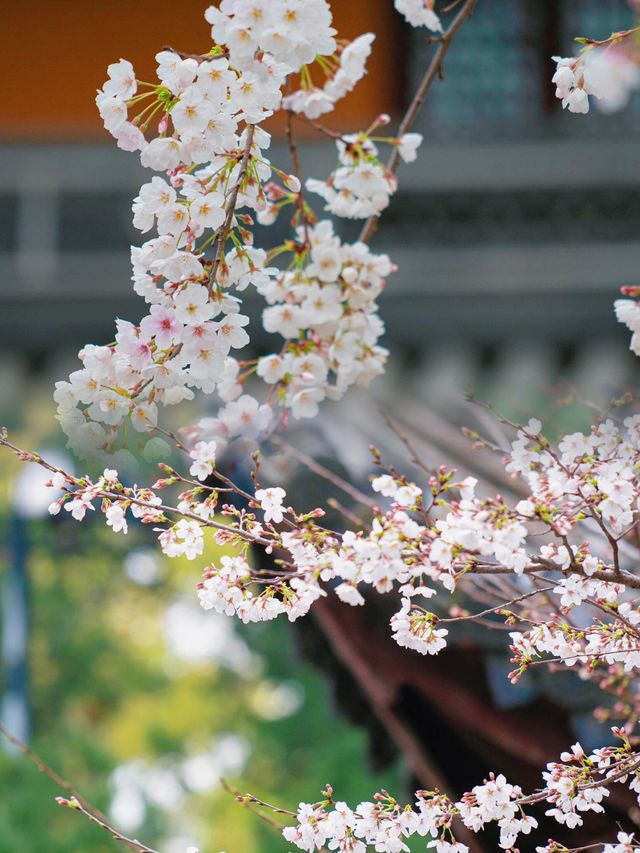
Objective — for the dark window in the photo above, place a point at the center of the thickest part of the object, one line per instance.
(91, 222)
(8, 214)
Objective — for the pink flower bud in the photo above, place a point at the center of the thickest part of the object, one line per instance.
(292, 183)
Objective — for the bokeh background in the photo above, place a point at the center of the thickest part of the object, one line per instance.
(512, 233)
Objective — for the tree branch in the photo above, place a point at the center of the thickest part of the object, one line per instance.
(221, 239)
(434, 70)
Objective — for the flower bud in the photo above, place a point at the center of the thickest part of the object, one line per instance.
(292, 183)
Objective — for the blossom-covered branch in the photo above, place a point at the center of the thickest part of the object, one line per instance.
(440, 538)
(607, 69)
(201, 124)
(577, 784)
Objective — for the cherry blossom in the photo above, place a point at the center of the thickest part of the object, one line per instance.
(420, 13)
(561, 541)
(271, 502)
(314, 101)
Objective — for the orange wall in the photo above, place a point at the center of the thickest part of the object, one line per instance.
(53, 57)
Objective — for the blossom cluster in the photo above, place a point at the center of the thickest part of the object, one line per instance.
(586, 484)
(184, 343)
(327, 313)
(360, 187)
(590, 475)
(628, 312)
(578, 783)
(625, 843)
(201, 126)
(341, 75)
(613, 642)
(256, 45)
(607, 70)
(420, 13)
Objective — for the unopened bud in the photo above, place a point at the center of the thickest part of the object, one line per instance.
(68, 804)
(292, 183)
(349, 274)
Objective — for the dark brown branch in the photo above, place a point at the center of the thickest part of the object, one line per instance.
(295, 162)
(434, 70)
(221, 239)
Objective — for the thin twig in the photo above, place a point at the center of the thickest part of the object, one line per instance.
(202, 57)
(614, 38)
(358, 522)
(76, 802)
(295, 162)
(310, 463)
(250, 802)
(121, 496)
(413, 454)
(332, 134)
(598, 783)
(40, 764)
(131, 843)
(497, 608)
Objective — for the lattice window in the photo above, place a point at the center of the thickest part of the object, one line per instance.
(499, 70)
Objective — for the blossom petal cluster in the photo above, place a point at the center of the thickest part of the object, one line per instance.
(577, 784)
(420, 13)
(360, 186)
(200, 126)
(607, 74)
(628, 312)
(326, 311)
